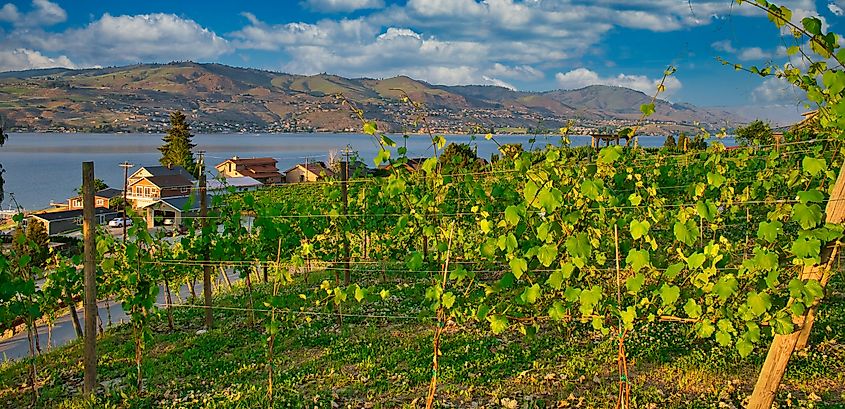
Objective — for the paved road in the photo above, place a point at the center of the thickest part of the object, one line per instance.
(63, 332)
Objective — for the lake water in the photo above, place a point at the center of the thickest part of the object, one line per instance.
(45, 167)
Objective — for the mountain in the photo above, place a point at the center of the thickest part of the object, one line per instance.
(220, 98)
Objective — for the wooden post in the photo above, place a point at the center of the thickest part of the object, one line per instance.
(206, 268)
(90, 281)
(782, 346)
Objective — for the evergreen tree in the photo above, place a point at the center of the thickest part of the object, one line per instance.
(670, 142)
(683, 141)
(177, 149)
(99, 185)
(39, 239)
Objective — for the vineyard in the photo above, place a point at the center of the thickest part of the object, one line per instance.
(551, 277)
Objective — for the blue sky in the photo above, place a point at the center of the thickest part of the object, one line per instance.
(522, 44)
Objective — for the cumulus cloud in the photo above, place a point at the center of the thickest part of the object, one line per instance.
(43, 13)
(129, 39)
(24, 59)
(582, 77)
(331, 6)
(521, 72)
(776, 90)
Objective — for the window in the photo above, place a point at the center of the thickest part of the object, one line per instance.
(302, 178)
(139, 190)
(147, 192)
(184, 190)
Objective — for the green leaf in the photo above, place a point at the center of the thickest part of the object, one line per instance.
(639, 228)
(557, 311)
(578, 245)
(448, 299)
(512, 215)
(555, 279)
(589, 299)
(692, 309)
(415, 262)
(686, 233)
(715, 179)
(637, 259)
(590, 189)
(813, 166)
(628, 316)
(669, 294)
(807, 216)
(723, 338)
(696, 260)
(706, 210)
(673, 270)
(812, 195)
(768, 231)
(498, 323)
(647, 109)
(518, 266)
(725, 287)
(744, 347)
(608, 155)
(531, 294)
(360, 293)
(759, 303)
(806, 247)
(370, 128)
(634, 283)
(812, 24)
(547, 254)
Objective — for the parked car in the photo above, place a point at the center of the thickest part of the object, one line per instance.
(119, 222)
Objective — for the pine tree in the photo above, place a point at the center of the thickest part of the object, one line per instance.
(670, 142)
(37, 235)
(177, 147)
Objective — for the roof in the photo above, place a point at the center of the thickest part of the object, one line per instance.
(242, 181)
(250, 161)
(164, 171)
(109, 192)
(69, 214)
(314, 167)
(182, 203)
(170, 181)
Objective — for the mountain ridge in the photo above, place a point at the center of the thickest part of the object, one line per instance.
(222, 98)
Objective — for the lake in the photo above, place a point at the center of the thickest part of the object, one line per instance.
(45, 167)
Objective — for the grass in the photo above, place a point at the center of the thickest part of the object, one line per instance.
(386, 363)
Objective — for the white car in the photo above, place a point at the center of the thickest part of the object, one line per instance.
(119, 222)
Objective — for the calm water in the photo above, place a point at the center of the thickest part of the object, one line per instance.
(45, 167)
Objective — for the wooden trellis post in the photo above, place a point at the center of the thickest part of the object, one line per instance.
(783, 345)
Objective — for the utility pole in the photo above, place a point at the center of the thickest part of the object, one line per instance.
(206, 269)
(344, 189)
(90, 281)
(125, 165)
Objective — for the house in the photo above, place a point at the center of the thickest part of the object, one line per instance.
(172, 210)
(238, 184)
(67, 220)
(147, 190)
(151, 171)
(308, 172)
(101, 199)
(262, 169)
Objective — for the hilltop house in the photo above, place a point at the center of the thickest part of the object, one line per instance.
(101, 199)
(262, 169)
(308, 172)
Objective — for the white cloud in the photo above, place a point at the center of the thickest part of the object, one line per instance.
(24, 59)
(724, 46)
(522, 72)
(582, 77)
(836, 9)
(43, 13)
(753, 53)
(342, 5)
(776, 90)
(130, 39)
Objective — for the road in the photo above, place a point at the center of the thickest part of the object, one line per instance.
(63, 332)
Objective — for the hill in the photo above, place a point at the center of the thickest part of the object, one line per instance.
(220, 98)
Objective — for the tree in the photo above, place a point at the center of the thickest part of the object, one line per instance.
(32, 241)
(177, 147)
(98, 186)
(459, 157)
(698, 142)
(511, 150)
(3, 138)
(683, 141)
(670, 142)
(755, 133)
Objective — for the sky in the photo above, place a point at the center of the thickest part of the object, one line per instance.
(532, 45)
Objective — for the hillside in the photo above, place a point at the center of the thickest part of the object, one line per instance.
(221, 98)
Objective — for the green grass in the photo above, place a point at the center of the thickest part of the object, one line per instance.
(386, 363)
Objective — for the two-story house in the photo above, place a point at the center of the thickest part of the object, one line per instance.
(101, 199)
(263, 170)
(153, 183)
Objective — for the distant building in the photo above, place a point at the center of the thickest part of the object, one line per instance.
(152, 183)
(150, 171)
(101, 199)
(171, 211)
(68, 220)
(308, 172)
(238, 184)
(263, 170)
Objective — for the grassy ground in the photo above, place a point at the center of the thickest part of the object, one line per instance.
(386, 363)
